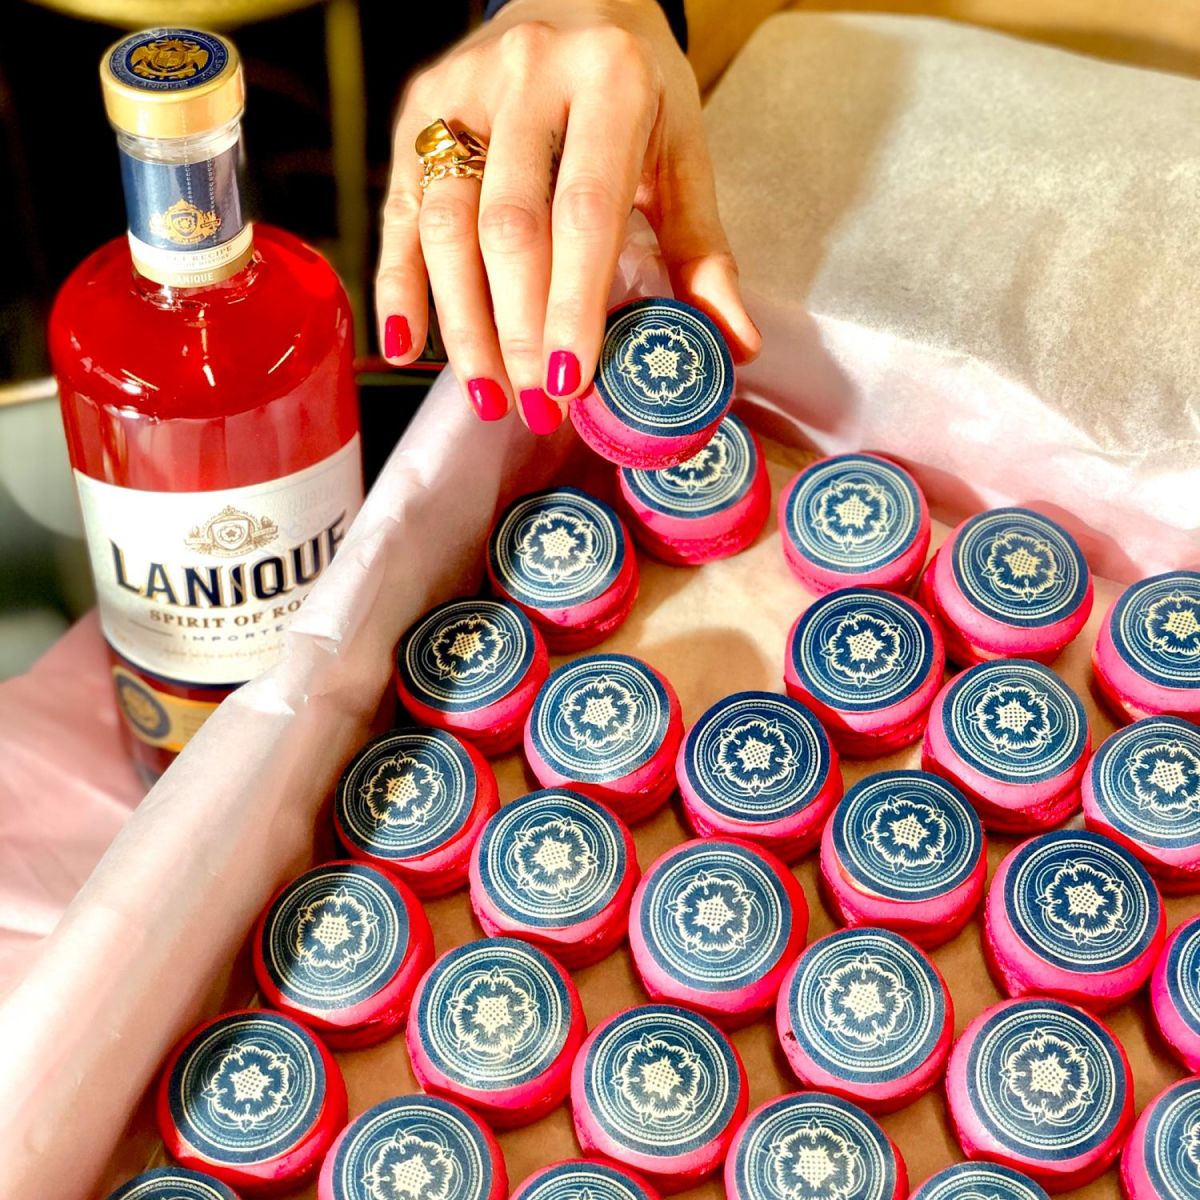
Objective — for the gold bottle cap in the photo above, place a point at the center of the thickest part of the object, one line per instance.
(172, 83)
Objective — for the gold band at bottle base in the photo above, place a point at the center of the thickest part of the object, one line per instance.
(157, 717)
(446, 154)
(193, 268)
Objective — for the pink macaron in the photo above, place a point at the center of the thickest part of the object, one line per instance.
(1043, 1087)
(607, 725)
(173, 1183)
(564, 558)
(413, 801)
(253, 1098)
(868, 663)
(1175, 993)
(759, 766)
(854, 520)
(865, 1015)
(979, 1181)
(709, 506)
(1073, 915)
(1146, 660)
(807, 1145)
(715, 925)
(341, 948)
(584, 1179)
(663, 383)
(558, 870)
(414, 1146)
(659, 1089)
(905, 851)
(1015, 739)
(472, 667)
(1008, 583)
(1142, 789)
(495, 1025)
(1161, 1160)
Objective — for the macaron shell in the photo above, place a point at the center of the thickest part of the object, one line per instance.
(1181, 1036)
(527, 1187)
(986, 637)
(1129, 693)
(280, 1173)
(869, 732)
(978, 1143)
(896, 575)
(328, 1189)
(563, 639)
(681, 540)
(375, 1018)
(928, 923)
(668, 1171)
(502, 1107)
(612, 439)
(732, 1008)
(496, 728)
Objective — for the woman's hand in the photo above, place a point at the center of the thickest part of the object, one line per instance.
(589, 109)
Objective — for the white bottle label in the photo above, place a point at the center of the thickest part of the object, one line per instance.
(198, 587)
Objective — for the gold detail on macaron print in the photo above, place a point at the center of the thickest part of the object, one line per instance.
(402, 791)
(815, 1162)
(1049, 1077)
(659, 1077)
(410, 1167)
(251, 1085)
(661, 362)
(492, 1014)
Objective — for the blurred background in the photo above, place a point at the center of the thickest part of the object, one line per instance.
(323, 77)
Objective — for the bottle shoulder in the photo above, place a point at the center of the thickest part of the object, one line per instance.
(205, 350)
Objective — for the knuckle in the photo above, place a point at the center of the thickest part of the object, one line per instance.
(620, 52)
(401, 208)
(585, 206)
(445, 220)
(465, 343)
(507, 226)
(570, 314)
(521, 346)
(524, 45)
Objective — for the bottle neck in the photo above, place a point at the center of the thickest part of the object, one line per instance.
(186, 226)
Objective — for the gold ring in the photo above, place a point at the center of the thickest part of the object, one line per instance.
(445, 154)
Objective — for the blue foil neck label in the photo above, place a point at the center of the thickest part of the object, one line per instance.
(1046, 1080)
(853, 513)
(579, 1180)
(1015, 721)
(1080, 901)
(1155, 628)
(714, 915)
(1183, 973)
(907, 835)
(493, 1014)
(173, 1183)
(1016, 566)
(247, 1089)
(552, 859)
(866, 1005)
(1146, 782)
(557, 549)
(979, 1181)
(812, 1146)
(406, 793)
(335, 937)
(664, 368)
(599, 717)
(466, 655)
(757, 757)
(1171, 1142)
(859, 649)
(711, 481)
(662, 1081)
(413, 1148)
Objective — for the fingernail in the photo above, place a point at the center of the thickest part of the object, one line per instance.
(562, 373)
(488, 397)
(397, 337)
(542, 415)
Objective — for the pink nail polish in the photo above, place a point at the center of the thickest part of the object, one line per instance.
(397, 337)
(488, 397)
(542, 415)
(562, 373)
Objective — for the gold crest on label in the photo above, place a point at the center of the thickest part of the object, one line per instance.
(184, 224)
(231, 532)
(169, 58)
